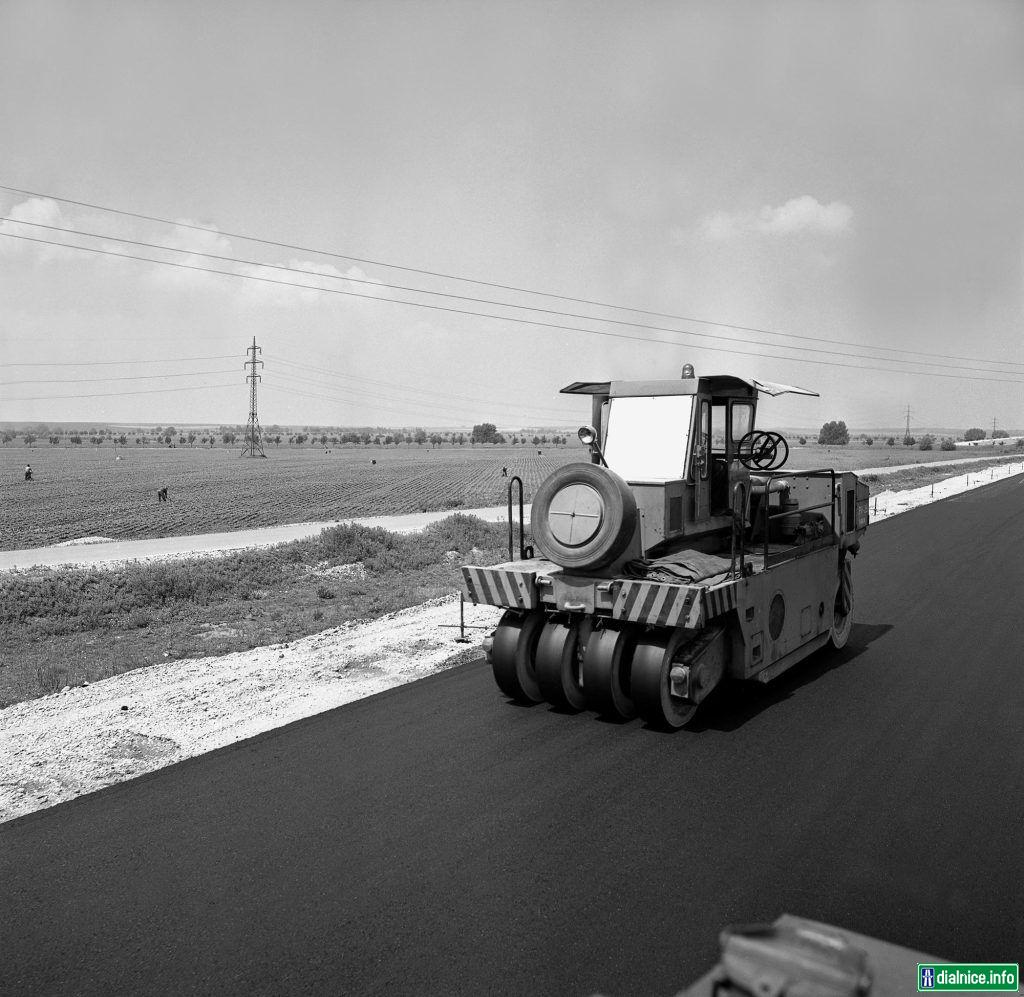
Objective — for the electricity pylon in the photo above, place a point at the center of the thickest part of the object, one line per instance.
(253, 437)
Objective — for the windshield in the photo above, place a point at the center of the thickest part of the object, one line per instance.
(646, 439)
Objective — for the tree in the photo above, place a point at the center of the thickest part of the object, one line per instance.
(536, 440)
(891, 442)
(834, 434)
(909, 441)
(868, 441)
(484, 432)
(927, 442)
(6, 438)
(421, 437)
(974, 434)
(123, 440)
(30, 438)
(947, 443)
(76, 440)
(1000, 434)
(191, 439)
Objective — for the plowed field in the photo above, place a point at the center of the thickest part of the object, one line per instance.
(83, 491)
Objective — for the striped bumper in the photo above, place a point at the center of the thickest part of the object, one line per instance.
(660, 604)
(657, 604)
(499, 587)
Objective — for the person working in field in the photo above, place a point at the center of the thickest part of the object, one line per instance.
(28, 472)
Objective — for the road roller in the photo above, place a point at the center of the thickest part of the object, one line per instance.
(678, 556)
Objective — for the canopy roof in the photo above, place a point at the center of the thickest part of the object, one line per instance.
(683, 386)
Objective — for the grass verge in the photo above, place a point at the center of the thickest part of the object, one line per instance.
(906, 478)
(66, 626)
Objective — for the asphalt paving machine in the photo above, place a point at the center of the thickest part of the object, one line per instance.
(680, 555)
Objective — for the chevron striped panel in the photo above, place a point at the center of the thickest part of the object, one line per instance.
(719, 600)
(498, 587)
(657, 604)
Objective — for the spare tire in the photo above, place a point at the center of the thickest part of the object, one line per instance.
(583, 516)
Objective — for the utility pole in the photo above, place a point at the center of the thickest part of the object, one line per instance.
(253, 439)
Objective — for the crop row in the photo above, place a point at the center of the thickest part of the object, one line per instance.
(76, 493)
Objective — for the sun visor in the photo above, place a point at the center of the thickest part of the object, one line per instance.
(773, 389)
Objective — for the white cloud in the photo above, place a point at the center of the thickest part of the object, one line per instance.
(265, 291)
(36, 209)
(800, 214)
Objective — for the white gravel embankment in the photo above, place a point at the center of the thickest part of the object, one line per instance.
(82, 739)
(87, 737)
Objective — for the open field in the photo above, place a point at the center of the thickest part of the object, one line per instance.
(83, 492)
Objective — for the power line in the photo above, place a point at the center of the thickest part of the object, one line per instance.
(110, 363)
(133, 377)
(409, 387)
(470, 280)
(344, 397)
(118, 394)
(532, 308)
(507, 318)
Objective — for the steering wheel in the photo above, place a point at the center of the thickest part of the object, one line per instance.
(762, 451)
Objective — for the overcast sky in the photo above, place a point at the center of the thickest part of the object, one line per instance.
(847, 173)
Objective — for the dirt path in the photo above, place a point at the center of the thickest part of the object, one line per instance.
(100, 551)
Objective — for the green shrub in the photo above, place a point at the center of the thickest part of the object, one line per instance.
(947, 443)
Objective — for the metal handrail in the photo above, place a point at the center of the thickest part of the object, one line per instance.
(525, 552)
(739, 525)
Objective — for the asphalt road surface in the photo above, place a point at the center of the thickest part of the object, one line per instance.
(437, 840)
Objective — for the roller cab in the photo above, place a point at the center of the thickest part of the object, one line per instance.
(678, 555)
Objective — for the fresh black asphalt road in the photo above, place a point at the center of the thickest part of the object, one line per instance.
(438, 840)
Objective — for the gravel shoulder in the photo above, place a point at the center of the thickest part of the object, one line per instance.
(85, 738)
(88, 737)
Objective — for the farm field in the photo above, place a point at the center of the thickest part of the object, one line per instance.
(83, 491)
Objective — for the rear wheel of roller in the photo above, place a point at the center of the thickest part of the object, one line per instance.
(606, 673)
(650, 684)
(558, 669)
(513, 656)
